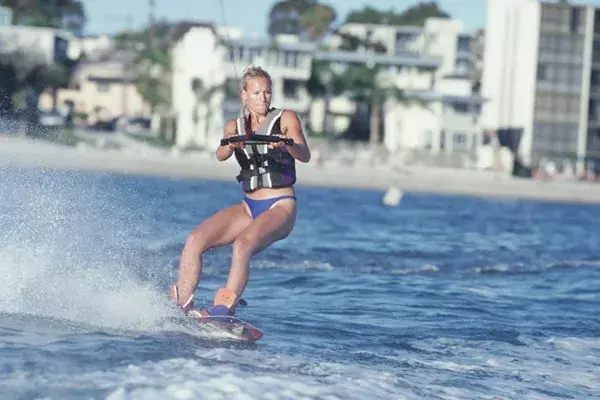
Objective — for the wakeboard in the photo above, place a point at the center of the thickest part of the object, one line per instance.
(226, 326)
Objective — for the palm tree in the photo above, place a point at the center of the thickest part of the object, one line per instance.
(324, 82)
(366, 85)
(316, 22)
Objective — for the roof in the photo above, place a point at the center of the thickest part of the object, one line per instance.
(112, 79)
(429, 95)
(385, 59)
(263, 42)
(180, 29)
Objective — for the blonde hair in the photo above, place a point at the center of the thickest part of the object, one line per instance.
(250, 72)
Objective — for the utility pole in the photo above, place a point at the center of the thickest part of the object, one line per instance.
(128, 47)
(151, 21)
(128, 67)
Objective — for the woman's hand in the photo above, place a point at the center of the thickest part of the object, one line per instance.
(292, 128)
(236, 145)
(224, 152)
(276, 145)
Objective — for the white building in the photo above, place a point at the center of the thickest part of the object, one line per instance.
(216, 58)
(102, 90)
(542, 75)
(6, 15)
(40, 46)
(451, 120)
(95, 47)
(429, 63)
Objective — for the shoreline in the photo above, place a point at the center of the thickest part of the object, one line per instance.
(147, 161)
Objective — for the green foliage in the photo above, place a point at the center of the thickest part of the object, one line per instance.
(64, 14)
(316, 20)
(55, 75)
(153, 90)
(124, 39)
(412, 16)
(308, 18)
(285, 16)
(152, 66)
(364, 85)
(153, 57)
(353, 43)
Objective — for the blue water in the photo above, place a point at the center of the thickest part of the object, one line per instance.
(438, 298)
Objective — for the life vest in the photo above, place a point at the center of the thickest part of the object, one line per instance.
(262, 167)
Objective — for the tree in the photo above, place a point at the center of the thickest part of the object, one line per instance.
(324, 83)
(152, 67)
(414, 16)
(18, 69)
(351, 42)
(316, 20)
(64, 14)
(9, 85)
(367, 86)
(307, 18)
(54, 76)
(204, 95)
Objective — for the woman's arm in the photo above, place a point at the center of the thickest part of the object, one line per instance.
(292, 128)
(224, 152)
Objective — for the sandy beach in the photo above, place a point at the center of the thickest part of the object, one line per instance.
(149, 161)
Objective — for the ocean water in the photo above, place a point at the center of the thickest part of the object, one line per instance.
(439, 298)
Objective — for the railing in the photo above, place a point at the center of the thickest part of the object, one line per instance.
(353, 153)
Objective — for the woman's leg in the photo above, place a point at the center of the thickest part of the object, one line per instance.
(218, 230)
(271, 226)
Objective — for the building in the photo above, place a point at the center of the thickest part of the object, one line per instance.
(542, 76)
(430, 63)
(95, 47)
(451, 120)
(207, 63)
(6, 16)
(40, 46)
(101, 91)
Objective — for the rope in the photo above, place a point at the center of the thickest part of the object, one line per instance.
(228, 39)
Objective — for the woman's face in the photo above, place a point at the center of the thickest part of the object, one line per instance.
(257, 95)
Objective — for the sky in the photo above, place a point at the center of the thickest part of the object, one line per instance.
(109, 16)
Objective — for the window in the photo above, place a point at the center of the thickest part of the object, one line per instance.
(459, 141)
(291, 88)
(542, 72)
(596, 51)
(255, 53)
(555, 138)
(232, 88)
(291, 59)
(464, 44)
(403, 40)
(593, 140)
(594, 111)
(103, 87)
(575, 20)
(549, 13)
(460, 107)
(595, 81)
(462, 66)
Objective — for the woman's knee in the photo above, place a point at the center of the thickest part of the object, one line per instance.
(243, 246)
(197, 242)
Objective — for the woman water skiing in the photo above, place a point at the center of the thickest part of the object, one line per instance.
(268, 211)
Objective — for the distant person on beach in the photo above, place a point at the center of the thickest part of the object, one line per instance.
(267, 212)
